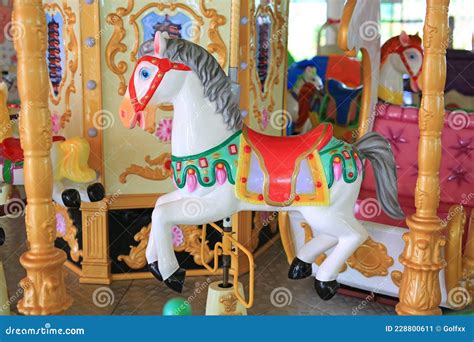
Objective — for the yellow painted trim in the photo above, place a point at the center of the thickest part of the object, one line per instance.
(344, 27)
(91, 71)
(133, 201)
(390, 96)
(365, 117)
(148, 275)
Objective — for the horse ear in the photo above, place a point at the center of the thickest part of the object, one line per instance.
(160, 42)
(404, 39)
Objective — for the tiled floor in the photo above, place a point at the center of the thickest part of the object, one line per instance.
(275, 294)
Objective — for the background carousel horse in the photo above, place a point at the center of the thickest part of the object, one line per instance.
(220, 167)
(303, 97)
(74, 181)
(336, 102)
(400, 55)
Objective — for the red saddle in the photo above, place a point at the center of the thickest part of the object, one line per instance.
(280, 157)
(10, 148)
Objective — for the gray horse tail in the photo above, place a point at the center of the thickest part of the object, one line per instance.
(377, 149)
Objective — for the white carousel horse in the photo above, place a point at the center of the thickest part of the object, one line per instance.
(400, 55)
(220, 167)
(74, 182)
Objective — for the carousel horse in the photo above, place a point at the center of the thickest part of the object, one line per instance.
(400, 55)
(303, 97)
(221, 166)
(74, 181)
(340, 83)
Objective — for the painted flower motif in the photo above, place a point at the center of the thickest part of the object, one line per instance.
(178, 236)
(265, 118)
(60, 224)
(56, 122)
(163, 132)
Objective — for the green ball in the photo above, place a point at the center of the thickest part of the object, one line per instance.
(177, 307)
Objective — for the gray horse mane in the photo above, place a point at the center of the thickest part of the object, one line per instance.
(217, 86)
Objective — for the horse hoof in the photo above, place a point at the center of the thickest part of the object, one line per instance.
(2, 236)
(96, 192)
(153, 267)
(326, 289)
(299, 269)
(176, 280)
(71, 198)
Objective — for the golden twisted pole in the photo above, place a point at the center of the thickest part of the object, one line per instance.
(420, 289)
(44, 289)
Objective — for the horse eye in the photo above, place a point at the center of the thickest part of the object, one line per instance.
(412, 56)
(145, 73)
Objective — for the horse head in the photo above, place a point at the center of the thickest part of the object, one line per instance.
(405, 54)
(154, 81)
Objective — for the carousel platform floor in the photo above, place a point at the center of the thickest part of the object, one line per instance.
(275, 293)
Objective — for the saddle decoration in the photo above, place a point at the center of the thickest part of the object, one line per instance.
(281, 159)
(217, 164)
(340, 160)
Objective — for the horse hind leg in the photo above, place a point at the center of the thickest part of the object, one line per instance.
(301, 267)
(349, 233)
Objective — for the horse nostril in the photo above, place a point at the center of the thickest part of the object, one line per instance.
(123, 113)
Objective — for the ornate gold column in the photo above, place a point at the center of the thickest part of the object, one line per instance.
(420, 289)
(44, 289)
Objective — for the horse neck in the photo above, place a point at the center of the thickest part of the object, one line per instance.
(197, 126)
(390, 78)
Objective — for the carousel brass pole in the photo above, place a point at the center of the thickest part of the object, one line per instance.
(420, 289)
(44, 289)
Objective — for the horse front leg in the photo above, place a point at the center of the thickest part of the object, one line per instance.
(182, 211)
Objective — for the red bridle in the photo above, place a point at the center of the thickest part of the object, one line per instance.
(164, 65)
(400, 51)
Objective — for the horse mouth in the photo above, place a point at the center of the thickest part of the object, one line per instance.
(138, 119)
